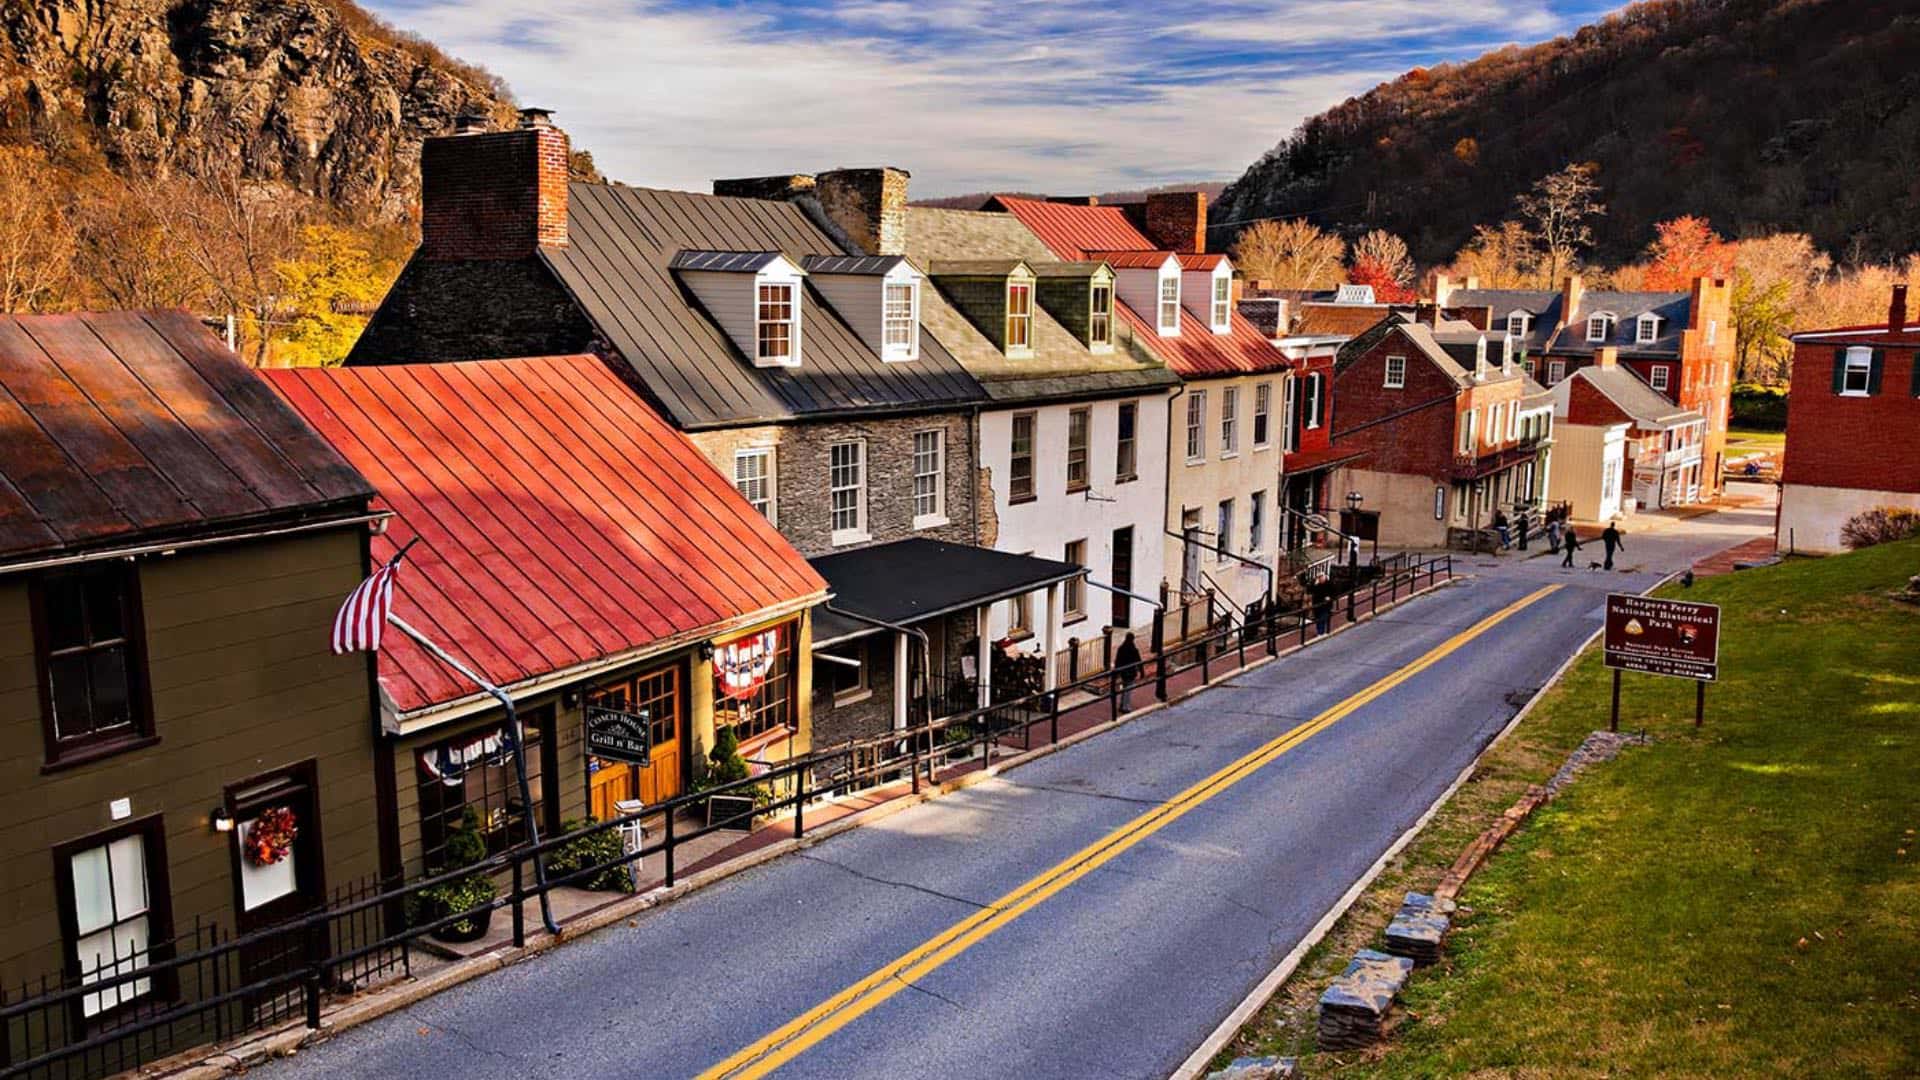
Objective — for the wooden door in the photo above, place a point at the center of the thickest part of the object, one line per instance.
(608, 782)
(660, 693)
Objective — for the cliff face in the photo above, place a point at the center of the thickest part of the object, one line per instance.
(315, 94)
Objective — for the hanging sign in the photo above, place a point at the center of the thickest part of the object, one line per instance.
(618, 735)
(741, 667)
(1663, 637)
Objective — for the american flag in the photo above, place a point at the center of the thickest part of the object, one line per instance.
(364, 614)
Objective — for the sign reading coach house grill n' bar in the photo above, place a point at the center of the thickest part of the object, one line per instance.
(618, 735)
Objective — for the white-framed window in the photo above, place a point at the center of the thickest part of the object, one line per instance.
(1856, 376)
(1196, 425)
(847, 490)
(1517, 322)
(1713, 327)
(900, 320)
(1229, 421)
(1513, 420)
(1257, 521)
(1222, 304)
(850, 682)
(1100, 318)
(112, 919)
(1647, 330)
(1262, 415)
(1020, 613)
(1170, 304)
(1289, 415)
(1315, 399)
(1466, 430)
(1657, 377)
(1599, 327)
(1439, 502)
(1396, 373)
(1556, 371)
(776, 325)
(1079, 433)
(1020, 457)
(1224, 537)
(929, 478)
(1073, 591)
(753, 476)
(1126, 442)
(1019, 317)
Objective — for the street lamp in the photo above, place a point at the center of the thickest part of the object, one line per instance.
(1354, 499)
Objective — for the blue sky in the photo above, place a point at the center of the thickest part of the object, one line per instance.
(968, 95)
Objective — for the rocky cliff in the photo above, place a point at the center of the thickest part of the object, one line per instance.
(315, 94)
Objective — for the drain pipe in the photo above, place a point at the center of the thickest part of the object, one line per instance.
(926, 644)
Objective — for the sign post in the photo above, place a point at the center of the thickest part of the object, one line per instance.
(1675, 638)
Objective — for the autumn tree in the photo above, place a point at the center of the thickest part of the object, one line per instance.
(36, 239)
(1773, 281)
(1501, 256)
(322, 289)
(1290, 254)
(1561, 207)
(1386, 254)
(1683, 249)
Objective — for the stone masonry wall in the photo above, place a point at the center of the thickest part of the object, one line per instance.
(479, 310)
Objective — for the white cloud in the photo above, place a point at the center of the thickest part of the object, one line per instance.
(1068, 97)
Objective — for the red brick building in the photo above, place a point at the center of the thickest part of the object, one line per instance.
(1853, 427)
(1452, 427)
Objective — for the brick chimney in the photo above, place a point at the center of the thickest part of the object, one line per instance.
(1442, 289)
(1177, 220)
(494, 195)
(1571, 293)
(1606, 359)
(1897, 310)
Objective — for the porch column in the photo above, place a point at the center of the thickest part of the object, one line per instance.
(900, 687)
(983, 662)
(1051, 642)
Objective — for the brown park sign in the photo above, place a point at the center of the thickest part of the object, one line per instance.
(1663, 637)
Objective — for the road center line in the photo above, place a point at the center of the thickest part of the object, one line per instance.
(786, 1042)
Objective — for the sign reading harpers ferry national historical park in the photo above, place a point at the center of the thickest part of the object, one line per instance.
(619, 736)
(1663, 637)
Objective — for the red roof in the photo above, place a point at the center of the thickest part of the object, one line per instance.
(1133, 260)
(122, 425)
(1103, 232)
(560, 519)
(1200, 261)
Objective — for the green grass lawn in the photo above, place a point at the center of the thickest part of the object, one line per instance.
(1738, 902)
(1742, 440)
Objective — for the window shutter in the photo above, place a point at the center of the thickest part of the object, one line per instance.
(1914, 382)
(1873, 372)
(1839, 369)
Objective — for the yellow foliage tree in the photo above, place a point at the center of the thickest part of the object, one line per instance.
(324, 286)
(1290, 255)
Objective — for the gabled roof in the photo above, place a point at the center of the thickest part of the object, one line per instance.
(1674, 309)
(616, 265)
(975, 267)
(1623, 386)
(124, 426)
(859, 265)
(1871, 334)
(1316, 318)
(1084, 232)
(724, 262)
(1135, 260)
(1058, 269)
(560, 520)
(1208, 262)
(1541, 305)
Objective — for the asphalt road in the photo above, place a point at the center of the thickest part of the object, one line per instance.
(1121, 971)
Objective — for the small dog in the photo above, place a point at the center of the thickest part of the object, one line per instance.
(1595, 566)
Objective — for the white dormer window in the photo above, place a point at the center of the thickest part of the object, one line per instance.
(777, 324)
(1517, 323)
(1648, 330)
(1222, 304)
(1100, 318)
(900, 320)
(1170, 304)
(1019, 318)
(1599, 327)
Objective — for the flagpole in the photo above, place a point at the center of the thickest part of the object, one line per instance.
(514, 734)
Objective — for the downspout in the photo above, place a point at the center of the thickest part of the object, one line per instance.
(926, 645)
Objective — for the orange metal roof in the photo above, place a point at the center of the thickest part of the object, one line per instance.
(1078, 232)
(1134, 260)
(560, 520)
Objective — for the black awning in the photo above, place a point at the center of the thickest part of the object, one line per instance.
(910, 580)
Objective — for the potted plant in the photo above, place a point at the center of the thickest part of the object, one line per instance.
(466, 846)
(734, 806)
(582, 852)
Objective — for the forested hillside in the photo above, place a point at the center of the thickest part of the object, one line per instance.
(1761, 115)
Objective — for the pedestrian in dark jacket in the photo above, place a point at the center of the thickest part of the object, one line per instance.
(1322, 613)
(1571, 541)
(1500, 529)
(1612, 542)
(1522, 525)
(1126, 662)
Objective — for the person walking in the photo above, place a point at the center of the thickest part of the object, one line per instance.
(1126, 663)
(1322, 613)
(1526, 520)
(1554, 530)
(1501, 529)
(1612, 542)
(1570, 541)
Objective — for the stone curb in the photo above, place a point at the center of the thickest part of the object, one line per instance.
(213, 1063)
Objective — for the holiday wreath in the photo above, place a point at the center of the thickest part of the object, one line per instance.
(270, 838)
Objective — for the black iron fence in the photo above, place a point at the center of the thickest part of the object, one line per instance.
(207, 986)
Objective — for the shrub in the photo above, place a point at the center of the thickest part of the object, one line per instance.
(1757, 407)
(597, 850)
(1880, 525)
(466, 845)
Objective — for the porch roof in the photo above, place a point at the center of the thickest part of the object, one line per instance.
(907, 581)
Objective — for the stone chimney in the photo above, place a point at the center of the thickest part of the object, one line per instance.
(494, 195)
(1177, 220)
(1897, 310)
(1606, 359)
(1442, 290)
(864, 209)
(1571, 293)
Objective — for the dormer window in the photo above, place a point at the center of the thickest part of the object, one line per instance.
(1222, 304)
(1019, 317)
(1100, 318)
(1599, 327)
(1170, 305)
(1648, 329)
(900, 320)
(777, 325)
(1517, 322)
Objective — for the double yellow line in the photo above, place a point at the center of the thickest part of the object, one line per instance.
(791, 1039)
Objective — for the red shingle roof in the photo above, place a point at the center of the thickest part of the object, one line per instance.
(1133, 260)
(561, 521)
(1078, 232)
